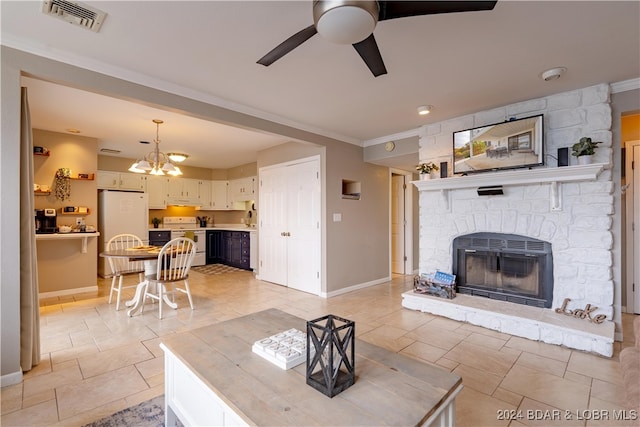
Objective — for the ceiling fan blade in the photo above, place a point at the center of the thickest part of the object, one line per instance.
(370, 54)
(288, 45)
(402, 9)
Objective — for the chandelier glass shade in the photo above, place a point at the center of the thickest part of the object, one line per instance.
(156, 162)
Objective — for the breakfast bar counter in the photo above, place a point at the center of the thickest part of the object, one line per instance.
(212, 377)
(69, 236)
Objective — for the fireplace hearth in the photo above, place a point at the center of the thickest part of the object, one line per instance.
(505, 267)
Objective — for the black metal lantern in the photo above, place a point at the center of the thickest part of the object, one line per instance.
(330, 354)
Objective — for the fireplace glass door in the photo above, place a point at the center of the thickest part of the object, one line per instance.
(505, 267)
(506, 273)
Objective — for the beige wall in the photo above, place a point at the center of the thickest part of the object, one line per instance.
(61, 264)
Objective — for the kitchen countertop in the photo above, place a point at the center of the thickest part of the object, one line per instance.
(227, 227)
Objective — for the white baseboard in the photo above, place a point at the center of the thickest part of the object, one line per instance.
(68, 292)
(355, 287)
(11, 379)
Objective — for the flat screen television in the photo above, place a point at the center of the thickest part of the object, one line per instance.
(517, 143)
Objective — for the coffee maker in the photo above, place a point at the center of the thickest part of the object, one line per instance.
(46, 221)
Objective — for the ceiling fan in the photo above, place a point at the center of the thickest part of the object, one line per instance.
(353, 22)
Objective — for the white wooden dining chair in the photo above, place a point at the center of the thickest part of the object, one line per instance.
(121, 267)
(174, 262)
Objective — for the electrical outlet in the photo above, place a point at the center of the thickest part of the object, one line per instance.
(78, 221)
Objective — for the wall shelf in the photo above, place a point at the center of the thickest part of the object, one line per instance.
(83, 177)
(76, 213)
(42, 193)
(47, 154)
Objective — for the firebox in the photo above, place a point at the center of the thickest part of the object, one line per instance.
(505, 267)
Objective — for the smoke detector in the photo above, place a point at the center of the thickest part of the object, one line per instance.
(553, 74)
(75, 13)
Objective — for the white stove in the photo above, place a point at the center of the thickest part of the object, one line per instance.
(180, 222)
(182, 226)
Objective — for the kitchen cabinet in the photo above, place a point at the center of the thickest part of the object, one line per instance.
(242, 189)
(109, 180)
(157, 191)
(229, 247)
(290, 229)
(237, 248)
(204, 195)
(215, 248)
(182, 191)
(220, 195)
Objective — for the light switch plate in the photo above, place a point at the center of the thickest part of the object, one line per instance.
(337, 217)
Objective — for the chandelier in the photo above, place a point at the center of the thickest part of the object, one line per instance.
(155, 162)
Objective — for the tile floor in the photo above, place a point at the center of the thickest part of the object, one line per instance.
(96, 361)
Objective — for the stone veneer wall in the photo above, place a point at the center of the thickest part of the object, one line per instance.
(580, 233)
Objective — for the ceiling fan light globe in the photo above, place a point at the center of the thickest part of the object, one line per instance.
(345, 22)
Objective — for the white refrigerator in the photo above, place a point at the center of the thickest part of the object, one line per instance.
(121, 212)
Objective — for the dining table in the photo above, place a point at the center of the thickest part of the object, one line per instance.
(149, 256)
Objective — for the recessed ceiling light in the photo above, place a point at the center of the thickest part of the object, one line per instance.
(552, 73)
(423, 110)
(71, 130)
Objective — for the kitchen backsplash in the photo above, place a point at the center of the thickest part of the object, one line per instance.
(219, 217)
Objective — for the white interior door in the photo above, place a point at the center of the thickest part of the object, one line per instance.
(290, 235)
(632, 176)
(397, 224)
(272, 223)
(303, 232)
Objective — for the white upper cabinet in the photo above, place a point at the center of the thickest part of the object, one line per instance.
(183, 191)
(108, 180)
(242, 189)
(219, 195)
(204, 195)
(157, 191)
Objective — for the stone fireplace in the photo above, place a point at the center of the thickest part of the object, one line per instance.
(566, 210)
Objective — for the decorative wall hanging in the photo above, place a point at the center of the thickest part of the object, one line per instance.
(63, 184)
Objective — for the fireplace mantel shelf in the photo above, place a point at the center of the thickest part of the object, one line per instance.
(514, 177)
(554, 176)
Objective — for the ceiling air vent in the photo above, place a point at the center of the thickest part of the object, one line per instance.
(75, 13)
(109, 150)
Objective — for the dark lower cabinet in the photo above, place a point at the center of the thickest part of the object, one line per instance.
(215, 247)
(228, 247)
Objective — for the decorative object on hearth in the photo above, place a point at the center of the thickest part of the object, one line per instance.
(438, 284)
(581, 313)
(331, 369)
(425, 170)
(156, 162)
(63, 184)
(584, 150)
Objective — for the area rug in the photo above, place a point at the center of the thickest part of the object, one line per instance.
(145, 414)
(216, 269)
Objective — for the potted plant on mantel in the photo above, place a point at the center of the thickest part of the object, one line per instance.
(425, 170)
(584, 150)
